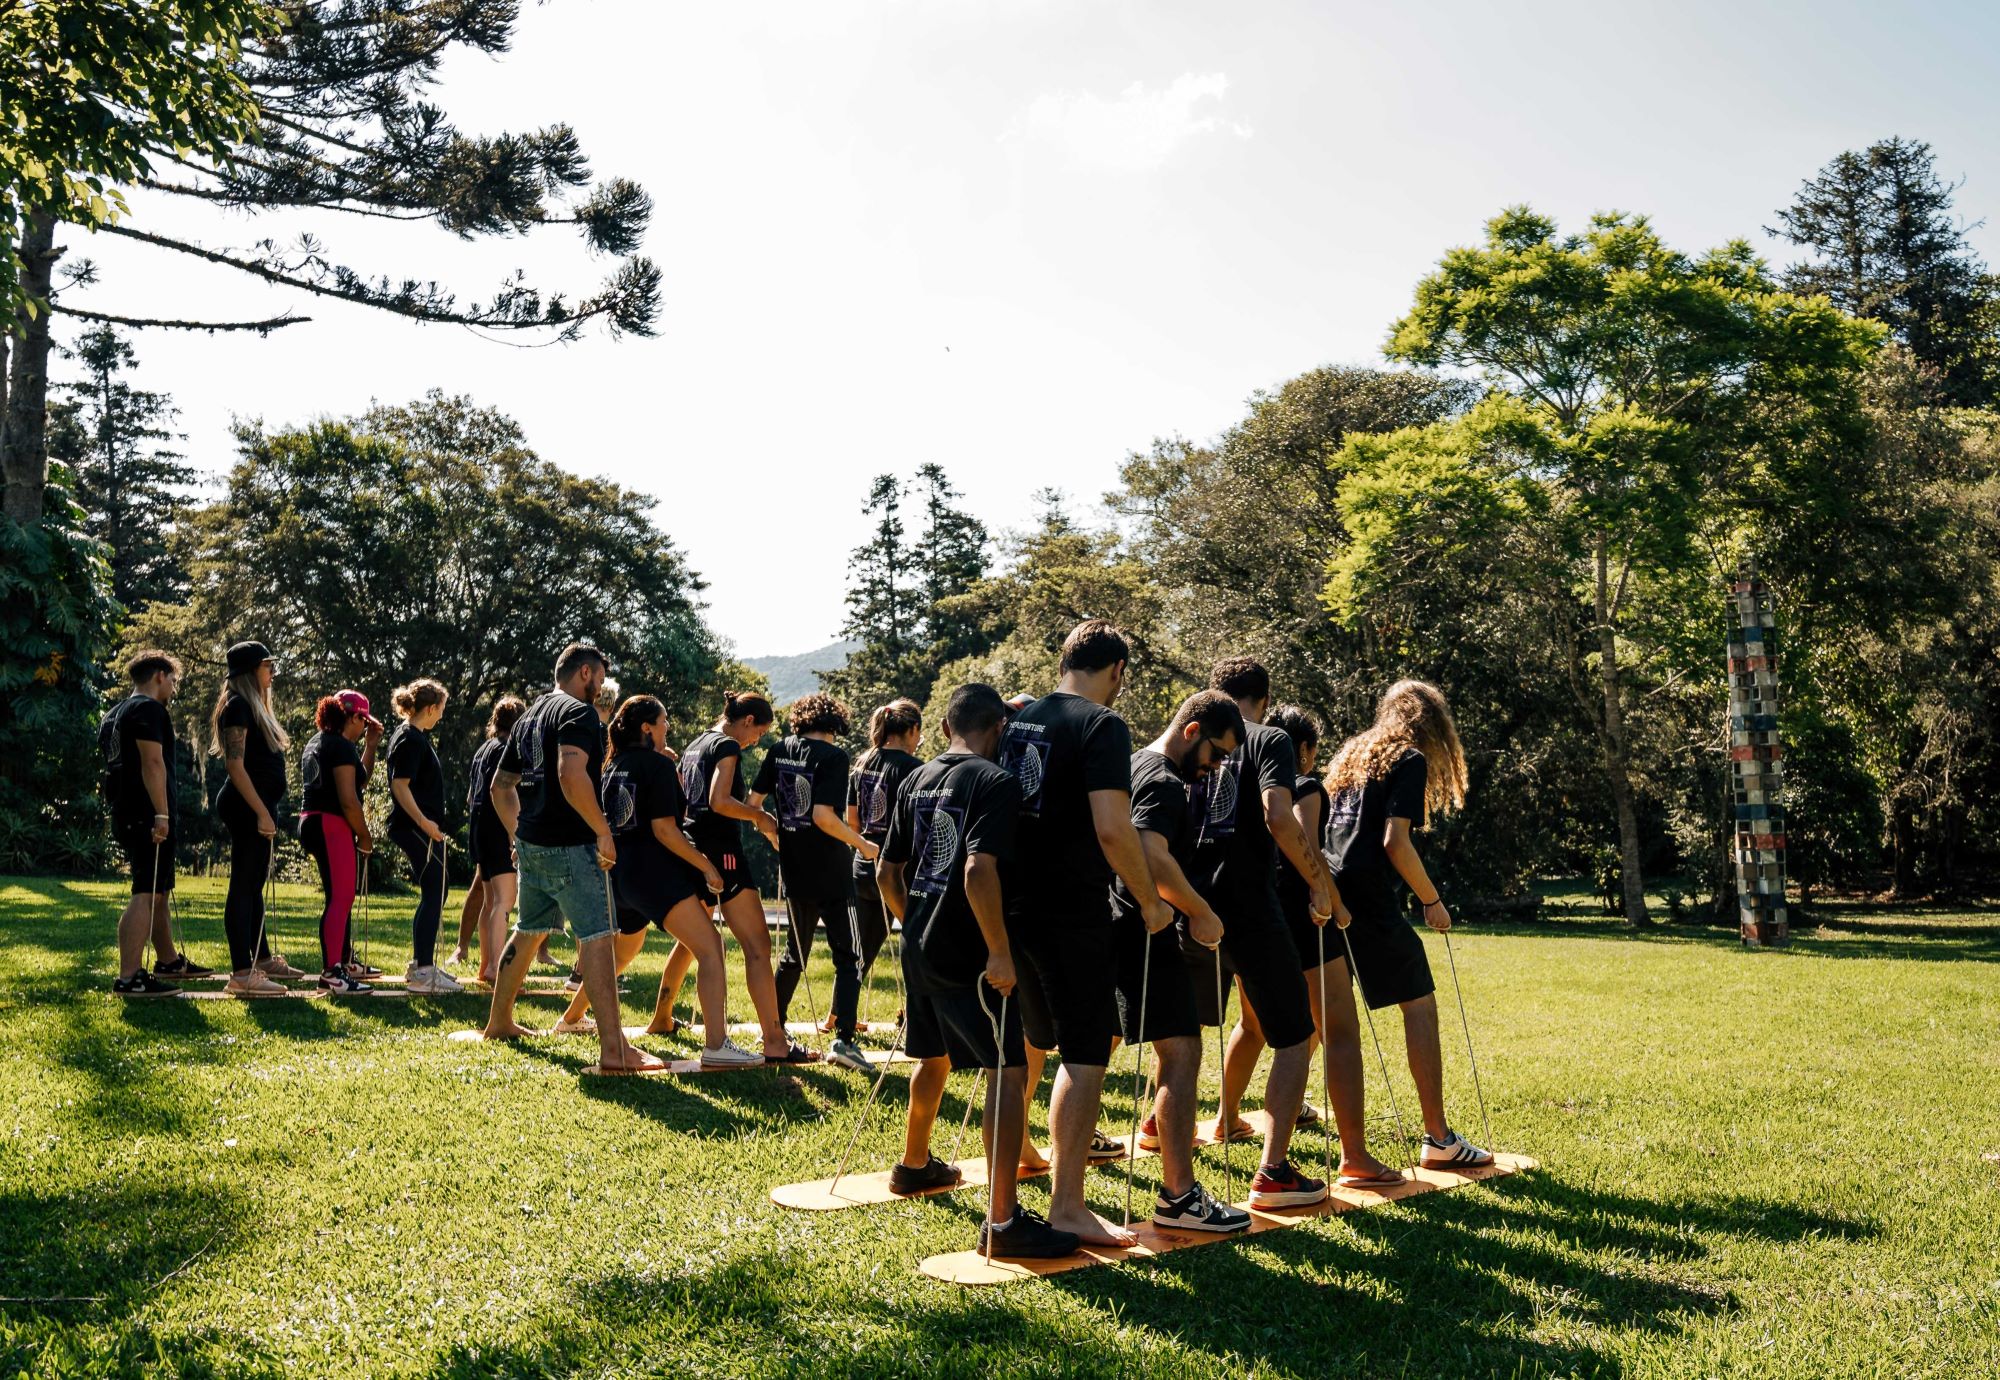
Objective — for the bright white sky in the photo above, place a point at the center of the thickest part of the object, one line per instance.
(1023, 239)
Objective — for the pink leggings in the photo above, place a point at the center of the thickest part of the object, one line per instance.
(331, 842)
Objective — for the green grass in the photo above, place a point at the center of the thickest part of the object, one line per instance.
(1753, 1164)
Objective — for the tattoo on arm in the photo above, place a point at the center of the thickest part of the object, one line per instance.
(506, 780)
(233, 742)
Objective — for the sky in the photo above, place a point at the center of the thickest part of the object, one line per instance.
(1022, 240)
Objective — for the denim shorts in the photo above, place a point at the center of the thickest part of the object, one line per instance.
(559, 884)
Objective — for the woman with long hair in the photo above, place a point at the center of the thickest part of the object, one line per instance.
(245, 733)
(1404, 769)
(711, 770)
(333, 829)
(493, 876)
(895, 732)
(416, 825)
(806, 776)
(660, 878)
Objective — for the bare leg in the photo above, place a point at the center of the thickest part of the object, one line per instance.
(499, 903)
(470, 912)
(1342, 1028)
(1239, 1064)
(600, 982)
(744, 914)
(1174, 1109)
(926, 1093)
(135, 926)
(679, 959)
(163, 929)
(1420, 1034)
(1284, 1090)
(1073, 1108)
(695, 937)
(1006, 1113)
(515, 961)
(1032, 1159)
(624, 948)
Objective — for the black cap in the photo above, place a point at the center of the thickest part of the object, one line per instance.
(246, 657)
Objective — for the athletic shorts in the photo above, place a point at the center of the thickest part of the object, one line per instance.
(135, 841)
(1256, 948)
(1167, 983)
(650, 903)
(950, 1023)
(1308, 940)
(492, 850)
(564, 884)
(728, 861)
(1389, 959)
(1066, 966)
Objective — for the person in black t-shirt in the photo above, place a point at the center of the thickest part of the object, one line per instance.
(805, 776)
(895, 731)
(545, 791)
(947, 860)
(245, 733)
(716, 787)
(1156, 990)
(416, 825)
(1247, 831)
(333, 828)
(136, 739)
(1385, 780)
(490, 898)
(1073, 759)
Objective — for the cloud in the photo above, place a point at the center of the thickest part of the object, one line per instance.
(1134, 131)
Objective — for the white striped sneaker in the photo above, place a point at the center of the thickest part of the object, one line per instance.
(1454, 1152)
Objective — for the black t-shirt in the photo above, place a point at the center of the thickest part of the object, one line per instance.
(639, 787)
(264, 763)
(1293, 893)
(1159, 806)
(950, 808)
(534, 753)
(871, 790)
(1355, 823)
(1234, 853)
(1060, 749)
(134, 720)
(479, 785)
(412, 758)
(712, 833)
(799, 774)
(319, 792)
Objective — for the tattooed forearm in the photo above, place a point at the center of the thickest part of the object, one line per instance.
(233, 742)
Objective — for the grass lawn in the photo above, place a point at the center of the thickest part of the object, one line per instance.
(1753, 1164)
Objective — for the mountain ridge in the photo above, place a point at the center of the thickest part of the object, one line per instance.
(793, 676)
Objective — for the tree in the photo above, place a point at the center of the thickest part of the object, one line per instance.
(112, 436)
(429, 540)
(1884, 244)
(1637, 390)
(883, 609)
(950, 559)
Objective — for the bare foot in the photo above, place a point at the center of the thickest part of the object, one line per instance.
(485, 977)
(629, 1059)
(1091, 1229)
(1212, 1132)
(826, 1026)
(1033, 1161)
(663, 1025)
(511, 1030)
(1363, 1166)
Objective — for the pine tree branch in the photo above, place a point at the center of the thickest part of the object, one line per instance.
(143, 322)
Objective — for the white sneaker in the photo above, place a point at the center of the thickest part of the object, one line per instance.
(255, 984)
(428, 980)
(730, 1055)
(583, 1025)
(1454, 1152)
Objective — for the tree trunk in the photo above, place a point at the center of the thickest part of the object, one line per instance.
(1612, 735)
(24, 452)
(1903, 849)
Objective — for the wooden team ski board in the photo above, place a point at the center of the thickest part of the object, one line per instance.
(971, 1268)
(864, 1190)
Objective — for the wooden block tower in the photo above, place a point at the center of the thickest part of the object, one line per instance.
(1757, 766)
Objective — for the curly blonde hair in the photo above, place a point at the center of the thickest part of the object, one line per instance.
(1411, 715)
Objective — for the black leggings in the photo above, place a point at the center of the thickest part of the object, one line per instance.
(871, 921)
(807, 914)
(426, 857)
(249, 872)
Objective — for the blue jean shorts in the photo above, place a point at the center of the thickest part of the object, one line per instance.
(559, 884)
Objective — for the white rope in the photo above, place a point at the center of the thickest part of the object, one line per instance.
(1486, 1125)
(1402, 1132)
(1138, 1049)
(995, 1090)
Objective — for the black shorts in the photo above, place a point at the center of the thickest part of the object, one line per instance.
(1389, 957)
(727, 859)
(1311, 940)
(1166, 982)
(135, 841)
(1257, 948)
(1066, 965)
(949, 1022)
(648, 904)
(492, 850)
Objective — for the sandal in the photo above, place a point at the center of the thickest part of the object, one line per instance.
(795, 1053)
(1388, 1178)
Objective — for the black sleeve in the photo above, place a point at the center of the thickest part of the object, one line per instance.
(403, 759)
(663, 791)
(1159, 805)
(1107, 755)
(853, 799)
(767, 774)
(510, 755)
(990, 816)
(149, 725)
(896, 847)
(236, 714)
(1406, 789)
(345, 754)
(580, 729)
(1277, 765)
(830, 778)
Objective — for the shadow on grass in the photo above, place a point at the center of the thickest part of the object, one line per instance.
(1829, 932)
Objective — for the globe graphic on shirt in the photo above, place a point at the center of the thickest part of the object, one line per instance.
(798, 796)
(941, 849)
(535, 753)
(310, 776)
(1222, 796)
(1028, 766)
(624, 804)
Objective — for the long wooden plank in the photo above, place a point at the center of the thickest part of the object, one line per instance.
(971, 1268)
(866, 1190)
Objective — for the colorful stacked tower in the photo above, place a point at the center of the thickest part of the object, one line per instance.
(1756, 761)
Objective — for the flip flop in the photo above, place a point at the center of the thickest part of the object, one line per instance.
(1387, 1179)
(1239, 1133)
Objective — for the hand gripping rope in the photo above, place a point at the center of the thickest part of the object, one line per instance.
(1402, 1135)
(881, 1072)
(1138, 1072)
(996, 1091)
(1486, 1124)
(1221, 1056)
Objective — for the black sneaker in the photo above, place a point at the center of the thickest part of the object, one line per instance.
(1280, 1185)
(935, 1175)
(1195, 1210)
(143, 984)
(183, 969)
(1028, 1237)
(1103, 1147)
(343, 984)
